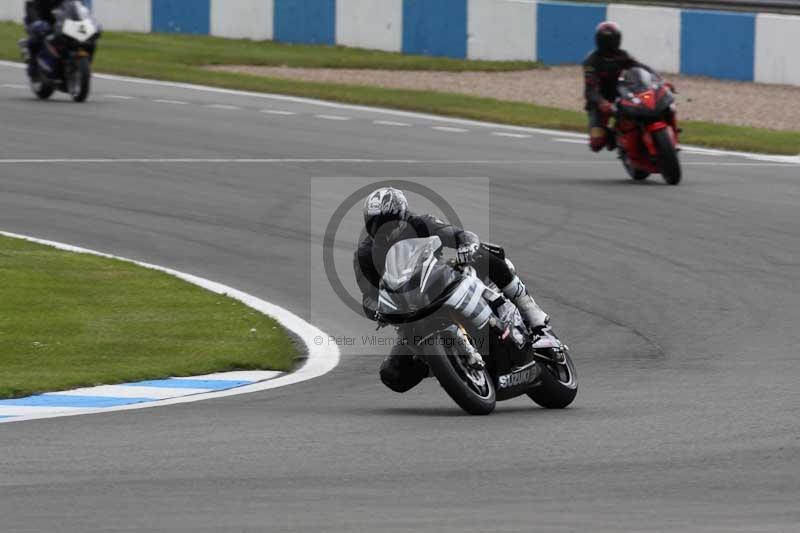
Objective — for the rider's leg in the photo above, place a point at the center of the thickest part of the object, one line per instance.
(598, 129)
(502, 274)
(37, 31)
(400, 371)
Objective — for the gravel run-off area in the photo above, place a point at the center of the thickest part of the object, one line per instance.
(740, 103)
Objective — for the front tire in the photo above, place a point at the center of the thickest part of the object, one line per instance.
(472, 390)
(80, 80)
(667, 157)
(557, 385)
(633, 172)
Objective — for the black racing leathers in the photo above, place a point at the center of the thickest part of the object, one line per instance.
(40, 10)
(601, 71)
(370, 258)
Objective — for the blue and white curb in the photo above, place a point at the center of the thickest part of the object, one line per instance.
(155, 393)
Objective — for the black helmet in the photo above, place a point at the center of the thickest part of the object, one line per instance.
(608, 36)
(384, 205)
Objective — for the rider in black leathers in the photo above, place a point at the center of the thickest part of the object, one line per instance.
(39, 21)
(388, 221)
(602, 68)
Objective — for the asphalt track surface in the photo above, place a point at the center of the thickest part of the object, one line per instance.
(681, 305)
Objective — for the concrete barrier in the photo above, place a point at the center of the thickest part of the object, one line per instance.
(652, 35)
(181, 16)
(12, 10)
(305, 21)
(726, 45)
(501, 30)
(242, 19)
(124, 15)
(435, 27)
(565, 32)
(375, 24)
(777, 49)
(720, 45)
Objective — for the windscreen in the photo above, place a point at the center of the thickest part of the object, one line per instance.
(75, 10)
(637, 80)
(407, 257)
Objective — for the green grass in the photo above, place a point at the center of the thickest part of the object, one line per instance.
(141, 50)
(69, 320)
(181, 58)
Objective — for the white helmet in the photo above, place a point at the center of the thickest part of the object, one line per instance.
(384, 205)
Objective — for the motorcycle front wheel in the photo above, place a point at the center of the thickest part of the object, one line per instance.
(471, 389)
(80, 76)
(633, 172)
(667, 157)
(557, 385)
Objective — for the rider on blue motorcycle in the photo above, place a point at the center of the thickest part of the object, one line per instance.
(387, 221)
(39, 22)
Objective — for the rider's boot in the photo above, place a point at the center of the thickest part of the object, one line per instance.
(401, 372)
(533, 315)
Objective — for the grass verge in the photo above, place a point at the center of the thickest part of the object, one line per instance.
(71, 320)
(181, 58)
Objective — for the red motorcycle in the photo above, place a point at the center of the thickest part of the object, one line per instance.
(646, 126)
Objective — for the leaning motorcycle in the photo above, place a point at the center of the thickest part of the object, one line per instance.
(64, 60)
(470, 336)
(646, 126)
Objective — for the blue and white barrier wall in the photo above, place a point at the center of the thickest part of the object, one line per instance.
(729, 45)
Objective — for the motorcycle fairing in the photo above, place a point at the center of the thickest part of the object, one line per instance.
(81, 31)
(416, 281)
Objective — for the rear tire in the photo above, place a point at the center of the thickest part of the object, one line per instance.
(80, 80)
(42, 88)
(667, 157)
(472, 396)
(557, 385)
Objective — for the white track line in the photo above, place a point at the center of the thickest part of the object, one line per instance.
(512, 135)
(394, 112)
(167, 101)
(119, 97)
(391, 123)
(223, 106)
(332, 117)
(449, 129)
(320, 359)
(573, 141)
(278, 112)
(13, 86)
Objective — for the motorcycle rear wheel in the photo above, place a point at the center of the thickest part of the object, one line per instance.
(472, 390)
(557, 385)
(79, 80)
(667, 157)
(42, 88)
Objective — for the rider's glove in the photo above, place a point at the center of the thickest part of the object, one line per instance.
(605, 106)
(466, 252)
